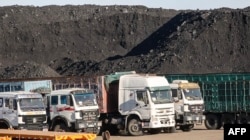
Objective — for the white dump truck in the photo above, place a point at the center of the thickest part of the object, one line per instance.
(133, 103)
(73, 109)
(22, 110)
(189, 104)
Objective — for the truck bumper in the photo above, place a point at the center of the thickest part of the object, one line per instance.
(87, 126)
(194, 119)
(160, 122)
(81, 124)
(33, 127)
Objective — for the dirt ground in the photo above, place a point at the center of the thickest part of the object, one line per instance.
(199, 133)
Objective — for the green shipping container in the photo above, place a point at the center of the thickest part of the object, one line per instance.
(226, 96)
(221, 92)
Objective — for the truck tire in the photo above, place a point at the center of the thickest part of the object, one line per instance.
(61, 128)
(228, 119)
(187, 128)
(4, 125)
(212, 122)
(113, 130)
(134, 127)
(244, 119)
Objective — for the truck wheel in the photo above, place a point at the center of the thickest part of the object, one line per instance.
(212, 122)
(60, 128)
(134, 127)
(154, 130)
(186, 128)
(244, 119)
(113, 130)
(228, 119)
(3, 125)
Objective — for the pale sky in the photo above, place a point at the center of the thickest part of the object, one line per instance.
(166, 4)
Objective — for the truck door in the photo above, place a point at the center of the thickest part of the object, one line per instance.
(177, 96)
(142, 104)
(10, 111)
(66, 106)
(53, 106)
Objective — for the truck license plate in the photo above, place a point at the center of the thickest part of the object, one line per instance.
(90, 125)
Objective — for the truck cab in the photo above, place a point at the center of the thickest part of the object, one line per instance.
(189, 104)
(73, 109)
(136, 103)
(147, 97)
(22, 110)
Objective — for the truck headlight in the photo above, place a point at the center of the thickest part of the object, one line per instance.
(185, 108)
(154, 119)
(173, 117)
(77, 115)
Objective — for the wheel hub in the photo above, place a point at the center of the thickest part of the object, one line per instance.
(135, 127)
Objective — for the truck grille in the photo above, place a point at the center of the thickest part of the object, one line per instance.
(34, 119)
(164, 111)
(90, 115)
(34, 122)
(196, 108)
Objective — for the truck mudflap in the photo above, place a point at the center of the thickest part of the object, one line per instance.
(20, 134)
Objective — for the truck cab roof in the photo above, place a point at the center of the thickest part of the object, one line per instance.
(20, 94)
(68, 91)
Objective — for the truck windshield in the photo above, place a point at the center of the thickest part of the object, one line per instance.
(192, 94)
(27, 104)
(85, 99)
(161, 96)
